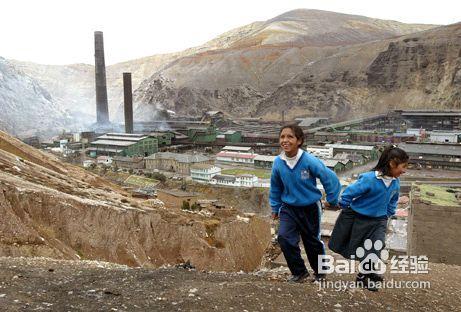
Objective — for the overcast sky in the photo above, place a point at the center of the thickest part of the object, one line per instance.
(61, 31)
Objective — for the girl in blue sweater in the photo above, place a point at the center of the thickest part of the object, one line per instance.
(360, 229)
(295, 200)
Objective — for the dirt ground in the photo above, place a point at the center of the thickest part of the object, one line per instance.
(41, 284)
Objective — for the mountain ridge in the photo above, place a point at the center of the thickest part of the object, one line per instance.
(234, 71)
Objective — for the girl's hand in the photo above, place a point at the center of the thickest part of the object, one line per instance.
(275, 216)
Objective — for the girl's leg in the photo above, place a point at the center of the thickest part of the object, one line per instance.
(288, 239)
(310, 234)
(369, 262)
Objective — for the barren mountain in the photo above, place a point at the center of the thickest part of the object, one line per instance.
(257, 59)
(61, 211)
(26, 107)
(421, 70)
(232, 72)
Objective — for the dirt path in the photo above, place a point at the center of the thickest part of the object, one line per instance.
(51, 285)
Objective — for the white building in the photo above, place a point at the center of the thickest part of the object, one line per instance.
(104, 160)
(238, 149)
(417, 132)
(243, 180)
(203, 172)
(445, 136)
(63, 145)
(320, 151)
(368, 151)
(236, 157)
(247, 180)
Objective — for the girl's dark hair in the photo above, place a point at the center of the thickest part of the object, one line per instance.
(391, 152)
(298, 132)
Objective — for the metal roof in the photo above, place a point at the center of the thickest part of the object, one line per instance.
(120, 138)
(236, 155)
(434, 149)
(265, 158)
(113, 143)
(236, 148)
(104, 149)
(438, 114)
(331, 162)
(351, 147)
(133, 135)
(222, 177)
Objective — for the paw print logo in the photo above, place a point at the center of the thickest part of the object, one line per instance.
(372, 263)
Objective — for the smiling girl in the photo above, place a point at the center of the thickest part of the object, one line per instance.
(295, 199)
(366, 206)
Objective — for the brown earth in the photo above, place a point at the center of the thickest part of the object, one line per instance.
(61, 211)
(28, 284)
(421, 70)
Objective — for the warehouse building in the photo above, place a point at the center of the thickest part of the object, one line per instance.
(123, 144)
(438, 136)
(370, 152)
(431, 155)
(264, 161)
(174, 162)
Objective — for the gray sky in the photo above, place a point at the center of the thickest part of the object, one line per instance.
(61, 31)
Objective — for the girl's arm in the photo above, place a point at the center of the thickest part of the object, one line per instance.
(276, 189)
(393, 204)
(354, 190)
(329, 181)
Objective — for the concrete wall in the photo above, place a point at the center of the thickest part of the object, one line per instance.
(434, 231)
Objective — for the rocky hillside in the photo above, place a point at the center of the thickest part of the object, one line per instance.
(421, 70)
(73, 86)
(233, 72)
(257, 59)
(317, 28)
(26, 107)
(61, 211)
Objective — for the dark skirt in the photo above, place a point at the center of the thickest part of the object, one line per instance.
(352, 229)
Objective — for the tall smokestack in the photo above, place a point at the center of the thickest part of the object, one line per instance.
(102, 109)
(128, 100)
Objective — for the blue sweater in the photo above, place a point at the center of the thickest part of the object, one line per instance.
(371, 197)
(298, 186)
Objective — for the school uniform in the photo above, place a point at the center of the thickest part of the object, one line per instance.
(366, 206)
(294, 196)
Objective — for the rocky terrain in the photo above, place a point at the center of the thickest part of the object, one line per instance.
(415, 71)
(62, 211)
(254, 63)
(26, 107)
(56, 285)
(242, 71)
(73, 86)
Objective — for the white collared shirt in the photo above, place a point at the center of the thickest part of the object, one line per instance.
(387, 180)
(292, 161)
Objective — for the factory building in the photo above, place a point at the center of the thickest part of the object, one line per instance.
(124, 144)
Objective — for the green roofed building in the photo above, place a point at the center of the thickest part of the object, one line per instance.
(164, 137)
(202, 135)
(124, 144)
(233, 136)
